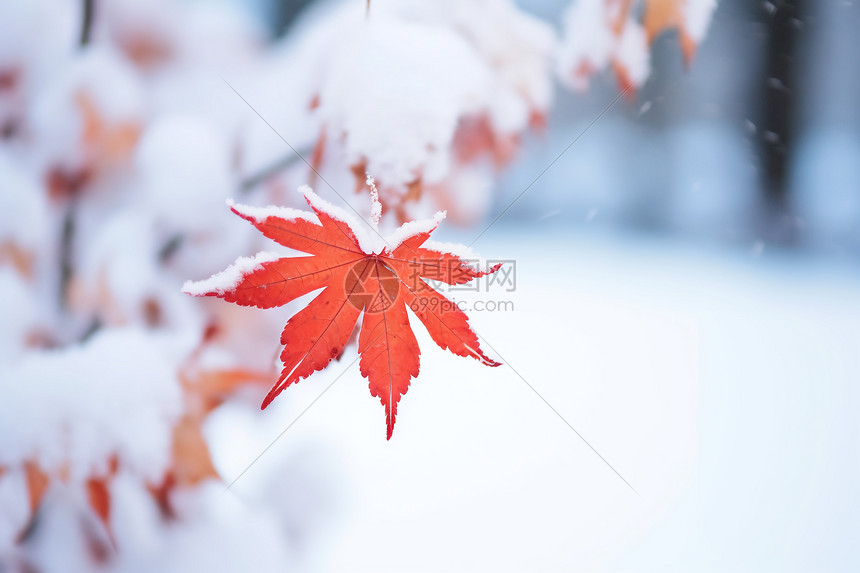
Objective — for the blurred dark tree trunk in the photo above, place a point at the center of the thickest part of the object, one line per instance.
(784, 18)
(285, 13)
(88, 9)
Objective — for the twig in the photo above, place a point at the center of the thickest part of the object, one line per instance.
(66, 248)
(170, 247)
(268, 172)
(91, 330)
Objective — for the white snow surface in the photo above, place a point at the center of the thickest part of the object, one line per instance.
(660, 367)
(72, 409)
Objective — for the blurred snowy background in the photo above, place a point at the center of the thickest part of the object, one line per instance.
(687, 291)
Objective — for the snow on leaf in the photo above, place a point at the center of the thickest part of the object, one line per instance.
(355, 281)
(227, 279)
(397, 94)
(375, 205)
(390, 74)
(587, 43)
(598, 33)
(697, 17)
(631, 57)
(85, 414)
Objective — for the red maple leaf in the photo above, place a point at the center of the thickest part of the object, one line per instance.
(359, 272)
